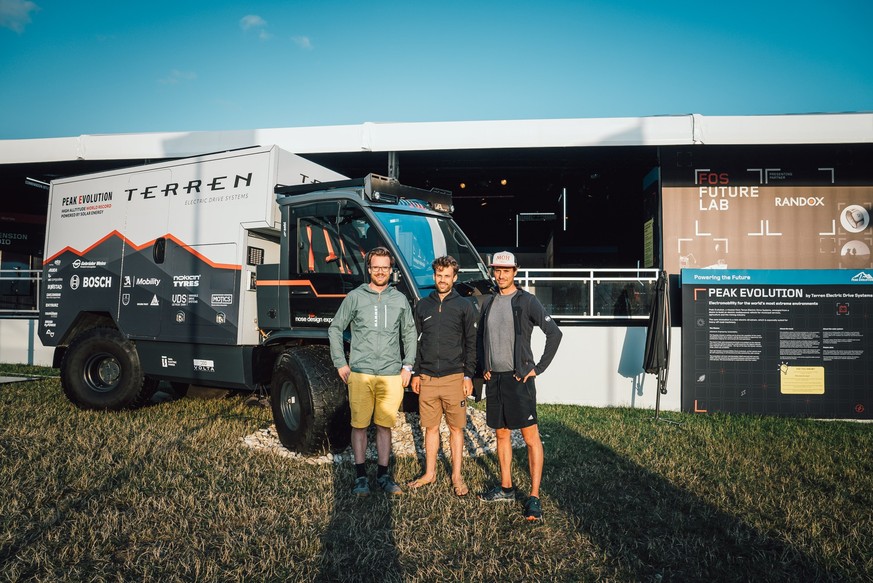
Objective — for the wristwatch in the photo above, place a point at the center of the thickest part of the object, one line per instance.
(407, 368)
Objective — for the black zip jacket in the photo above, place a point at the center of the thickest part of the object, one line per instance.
(446, 335)
(527, 312)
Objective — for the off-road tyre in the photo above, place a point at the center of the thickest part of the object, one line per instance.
(101, 370)
(309, 401)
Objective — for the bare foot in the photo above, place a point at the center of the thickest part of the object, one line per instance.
(461, 489)
(421, 481)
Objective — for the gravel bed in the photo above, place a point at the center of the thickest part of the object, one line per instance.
(407, 439)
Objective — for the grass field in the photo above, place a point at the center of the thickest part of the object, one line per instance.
(169, 493)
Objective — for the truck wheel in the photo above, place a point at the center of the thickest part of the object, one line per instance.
(309, 401)
(101, 370)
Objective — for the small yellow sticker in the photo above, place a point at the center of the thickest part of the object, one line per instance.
(802, 380)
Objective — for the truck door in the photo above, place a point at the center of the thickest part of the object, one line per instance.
(202, 299)
(142, 271)
(328, 243)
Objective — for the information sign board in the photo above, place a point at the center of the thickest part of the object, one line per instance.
(778, 342)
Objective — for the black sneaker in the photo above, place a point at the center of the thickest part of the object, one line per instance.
(362, 487)
(496, 494)
(388, 485)
(533, 510)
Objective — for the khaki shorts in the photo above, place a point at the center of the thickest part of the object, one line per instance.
(374, 398)
(440, 395)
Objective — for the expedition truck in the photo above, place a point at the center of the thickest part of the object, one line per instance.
(225, 270)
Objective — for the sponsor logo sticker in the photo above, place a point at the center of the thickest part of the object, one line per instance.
(83, 264)
(186, 281)
(102, 281)
(148, 281)
(203, 365)
(221, 300)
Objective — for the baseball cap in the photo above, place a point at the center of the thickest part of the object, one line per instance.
(503, 259)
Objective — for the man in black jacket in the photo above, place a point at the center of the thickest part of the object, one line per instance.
(509, 369)
(444, 367)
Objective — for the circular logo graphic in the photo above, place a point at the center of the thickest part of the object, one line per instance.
(74, 282)
(859, 408)
(855, 255)
(77, 263)
(855, 218)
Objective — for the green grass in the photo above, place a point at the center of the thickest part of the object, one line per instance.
(169, 493)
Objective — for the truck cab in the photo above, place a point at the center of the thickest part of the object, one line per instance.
(327, 230)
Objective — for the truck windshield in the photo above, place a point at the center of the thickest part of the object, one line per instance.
(422, 238)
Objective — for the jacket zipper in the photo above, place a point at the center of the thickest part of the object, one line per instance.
(439, 337)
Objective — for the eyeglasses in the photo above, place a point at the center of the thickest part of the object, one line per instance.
(379, 268)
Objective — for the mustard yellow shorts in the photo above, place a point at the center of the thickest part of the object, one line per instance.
(374, 397)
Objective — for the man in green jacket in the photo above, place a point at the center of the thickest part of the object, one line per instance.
(379, 317)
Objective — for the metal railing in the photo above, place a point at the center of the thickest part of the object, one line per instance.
(592, 294)
(568, 294)
(19, 293)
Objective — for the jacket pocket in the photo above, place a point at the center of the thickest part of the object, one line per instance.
(389, 316)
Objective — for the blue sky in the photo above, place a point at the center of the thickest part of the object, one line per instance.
(69, 68)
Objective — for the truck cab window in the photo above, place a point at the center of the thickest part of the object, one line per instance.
(332, 240)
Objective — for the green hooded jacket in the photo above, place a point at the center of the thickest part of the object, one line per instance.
(378, 321)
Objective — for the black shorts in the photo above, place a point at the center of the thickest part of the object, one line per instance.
(510, 403)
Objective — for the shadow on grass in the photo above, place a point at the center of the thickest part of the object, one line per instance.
(652, 530)
(358, 544)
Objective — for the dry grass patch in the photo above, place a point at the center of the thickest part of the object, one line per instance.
(170, 493)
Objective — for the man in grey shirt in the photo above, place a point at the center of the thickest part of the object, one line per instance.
(509, 370)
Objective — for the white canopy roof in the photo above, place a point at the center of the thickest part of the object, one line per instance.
(384, 137)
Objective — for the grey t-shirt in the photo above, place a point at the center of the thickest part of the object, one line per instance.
(501, 334)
